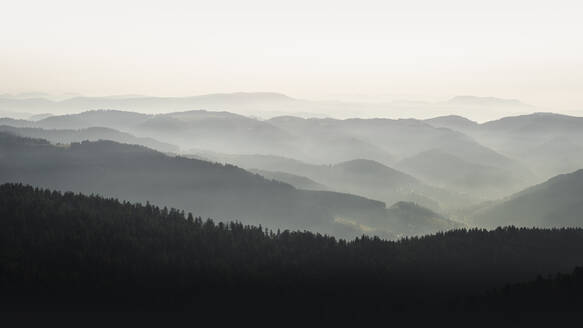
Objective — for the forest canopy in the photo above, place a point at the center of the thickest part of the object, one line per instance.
(72, 251)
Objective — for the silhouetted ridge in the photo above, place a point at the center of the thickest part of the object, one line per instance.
(65, 251)
(452, 121)
(9, 139)
(361, 177)
(558, 293)
(66, 136)
(485, 101)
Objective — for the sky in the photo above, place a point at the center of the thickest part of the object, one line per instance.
(333, 49)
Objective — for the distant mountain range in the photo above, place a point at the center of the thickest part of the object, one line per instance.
(496, 158)
(486, 101)
(454, 122)
(67, 136)
(548, 143)
(444, 163)
(39, 103)
(311, 140)
(397, 138)
(262, 104)
(451, 172)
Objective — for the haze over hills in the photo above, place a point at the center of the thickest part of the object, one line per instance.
(445, 163)
(143, 103)
(400, 138)
(408, 138)
(15, 122)
(548, 143)
(297, 181)
(321, 141)
(554, 203)
(221, 130)
(265, 105)
(139, 174)
(450, 172)
(66, 136)
(454, 122)
(115, 119)
(362, 177)
(486, 101)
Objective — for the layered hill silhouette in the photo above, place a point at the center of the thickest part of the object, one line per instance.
(114, 119)
(312, 140)
(450, 172)
(400, 138)
(264, 104)
(297, 181)
(67, 136)
(6, 121)
(554, 203)
(507, 155)
(486, 101)
(222, 131)
(221, 191)
(361, 177)
(548, 143)
(454, 122)
(406, 138)
(219, 101)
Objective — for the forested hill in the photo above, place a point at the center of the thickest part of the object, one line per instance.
(74, 252)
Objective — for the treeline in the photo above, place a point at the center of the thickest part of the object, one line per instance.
(559, 292)
(65, 251)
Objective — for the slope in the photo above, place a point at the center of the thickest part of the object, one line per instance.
(554, 203)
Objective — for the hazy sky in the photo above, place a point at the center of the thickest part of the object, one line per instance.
(425, 49)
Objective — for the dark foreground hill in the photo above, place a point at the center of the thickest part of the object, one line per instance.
(74, 252)
(560, 292)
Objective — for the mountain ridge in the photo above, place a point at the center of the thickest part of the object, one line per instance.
(553, 203)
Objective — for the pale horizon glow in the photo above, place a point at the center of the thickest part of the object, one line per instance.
(323, 50)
